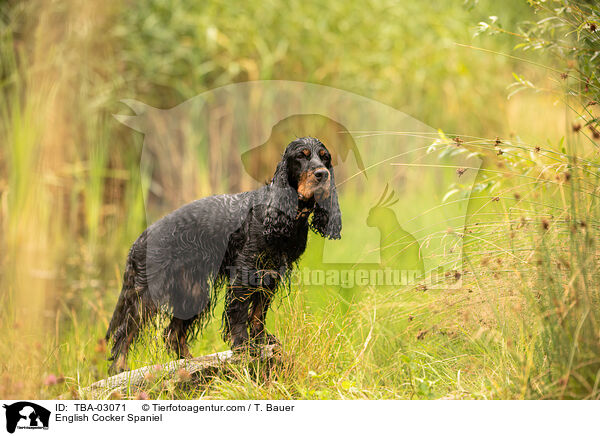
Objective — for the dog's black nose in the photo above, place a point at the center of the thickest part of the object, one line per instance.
(322, 174)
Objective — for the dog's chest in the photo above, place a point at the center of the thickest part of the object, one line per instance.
(251, 245)
(289, 247)
(283, 250)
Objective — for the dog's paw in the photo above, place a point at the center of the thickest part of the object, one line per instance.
(271, 339)
(242, 347)
(119, 365)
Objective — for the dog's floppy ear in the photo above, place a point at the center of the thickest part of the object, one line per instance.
(282, 203)
(327, 219)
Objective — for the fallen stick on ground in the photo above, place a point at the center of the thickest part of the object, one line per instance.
(182, 371)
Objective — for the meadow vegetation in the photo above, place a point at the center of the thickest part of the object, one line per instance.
(524, 322)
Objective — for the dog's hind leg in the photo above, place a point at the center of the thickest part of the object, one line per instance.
(176, 336)
(129, 319)
(124, 336)
(120, 354)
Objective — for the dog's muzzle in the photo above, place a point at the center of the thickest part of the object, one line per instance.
(314, 184)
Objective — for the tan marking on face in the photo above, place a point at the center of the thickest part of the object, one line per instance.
(304, 189)
(306, 152)
(322, 153)
(309, 186)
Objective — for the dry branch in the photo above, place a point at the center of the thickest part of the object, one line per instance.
(178, 372)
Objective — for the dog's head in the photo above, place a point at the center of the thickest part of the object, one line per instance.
(309, 169)
(304, 180)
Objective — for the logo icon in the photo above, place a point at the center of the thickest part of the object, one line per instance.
(26, 415)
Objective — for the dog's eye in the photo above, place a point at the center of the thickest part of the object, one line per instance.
(324, 155)
(304, 153)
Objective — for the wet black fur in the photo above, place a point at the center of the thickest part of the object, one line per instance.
(246, 242)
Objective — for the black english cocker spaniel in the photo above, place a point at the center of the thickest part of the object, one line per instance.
(247, 242)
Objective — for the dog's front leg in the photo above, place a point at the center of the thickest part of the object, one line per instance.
(261, 301)
(237, 319)
(237, 309)
(260, 305)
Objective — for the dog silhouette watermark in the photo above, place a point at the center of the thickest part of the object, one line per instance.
(25, 415)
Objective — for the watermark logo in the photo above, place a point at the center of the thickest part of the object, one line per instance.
(25, 415)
